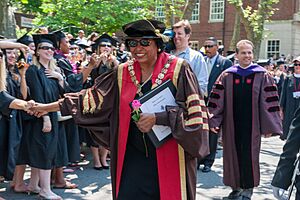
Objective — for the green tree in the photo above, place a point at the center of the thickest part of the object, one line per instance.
(254, 19)
(188, 9)
(90, 15)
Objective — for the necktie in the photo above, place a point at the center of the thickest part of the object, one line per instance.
(209, 65)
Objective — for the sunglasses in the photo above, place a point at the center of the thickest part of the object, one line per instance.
(143, 43)
(209, 46)
(73, 48)
(47, 48)
(105, 45)
(297, 64)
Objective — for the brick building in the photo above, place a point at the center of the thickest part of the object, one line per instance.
(216, 18)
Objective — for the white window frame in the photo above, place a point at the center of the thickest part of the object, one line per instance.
(273, 52)
(159, 11)
(196, 14)
(212, 11)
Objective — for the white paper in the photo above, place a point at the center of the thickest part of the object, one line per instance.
(156, 104)
(296, 94)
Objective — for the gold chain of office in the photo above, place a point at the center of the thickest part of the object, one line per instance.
(158, 80)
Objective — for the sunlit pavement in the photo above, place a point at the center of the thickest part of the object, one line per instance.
(96, 184)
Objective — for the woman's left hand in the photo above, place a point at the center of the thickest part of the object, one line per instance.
(146, 122)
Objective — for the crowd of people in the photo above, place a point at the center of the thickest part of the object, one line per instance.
(58, 92)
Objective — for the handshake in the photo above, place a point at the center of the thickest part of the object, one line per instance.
(34, 108)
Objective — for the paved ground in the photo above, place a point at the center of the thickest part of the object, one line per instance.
(96, 184)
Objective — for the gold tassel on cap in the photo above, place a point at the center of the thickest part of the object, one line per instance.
(162, 36)
(158, 34)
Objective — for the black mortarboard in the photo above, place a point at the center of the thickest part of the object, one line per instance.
(147, 28)
(25, 39)
(280, 62)
(73, 41)
(264, 62)
(104, 38)
(49, 38)
(59, 35)
(83, 44)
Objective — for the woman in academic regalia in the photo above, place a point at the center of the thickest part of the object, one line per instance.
(138, 169)
(41, 135)
(7, 102)
(290, 97)
(16, 87)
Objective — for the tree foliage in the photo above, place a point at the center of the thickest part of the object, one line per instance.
(90, 15)
(254, 19)
(100, 15)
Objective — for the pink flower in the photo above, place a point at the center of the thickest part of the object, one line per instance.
(136, 104)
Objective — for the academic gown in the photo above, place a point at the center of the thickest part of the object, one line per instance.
(244, 102)
(5, 100)
(288, 103)
(95, 73)
(12, 128)
(40, 147)
(69, 142)
(108, 117)
(286, 165)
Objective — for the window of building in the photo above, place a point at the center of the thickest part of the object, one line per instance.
(159, 12)
(273, 48)
(216, 10)
(196, 12)
(194, 45)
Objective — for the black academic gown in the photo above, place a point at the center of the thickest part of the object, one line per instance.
(285, 168)
(41, 147)
(288, 103)
(69, 142)
(12, 129)
(5, 100)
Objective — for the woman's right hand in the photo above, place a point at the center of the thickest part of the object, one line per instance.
(47, 126)
(94, 61)
(53, 74)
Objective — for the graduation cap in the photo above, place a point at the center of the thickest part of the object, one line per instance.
(264, 62)
(280, 62)
(146, 28)
(104, 38)
(230, 52)
(59, 35)
(73, 41)
(169, 32)
(83, 44)
(25, 39)
(49, 38)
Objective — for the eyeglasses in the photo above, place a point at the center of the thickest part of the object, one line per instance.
(143, 42)
(297, 64)
(105, 45)
(208, 46)
(73, 48)
(47, 48)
